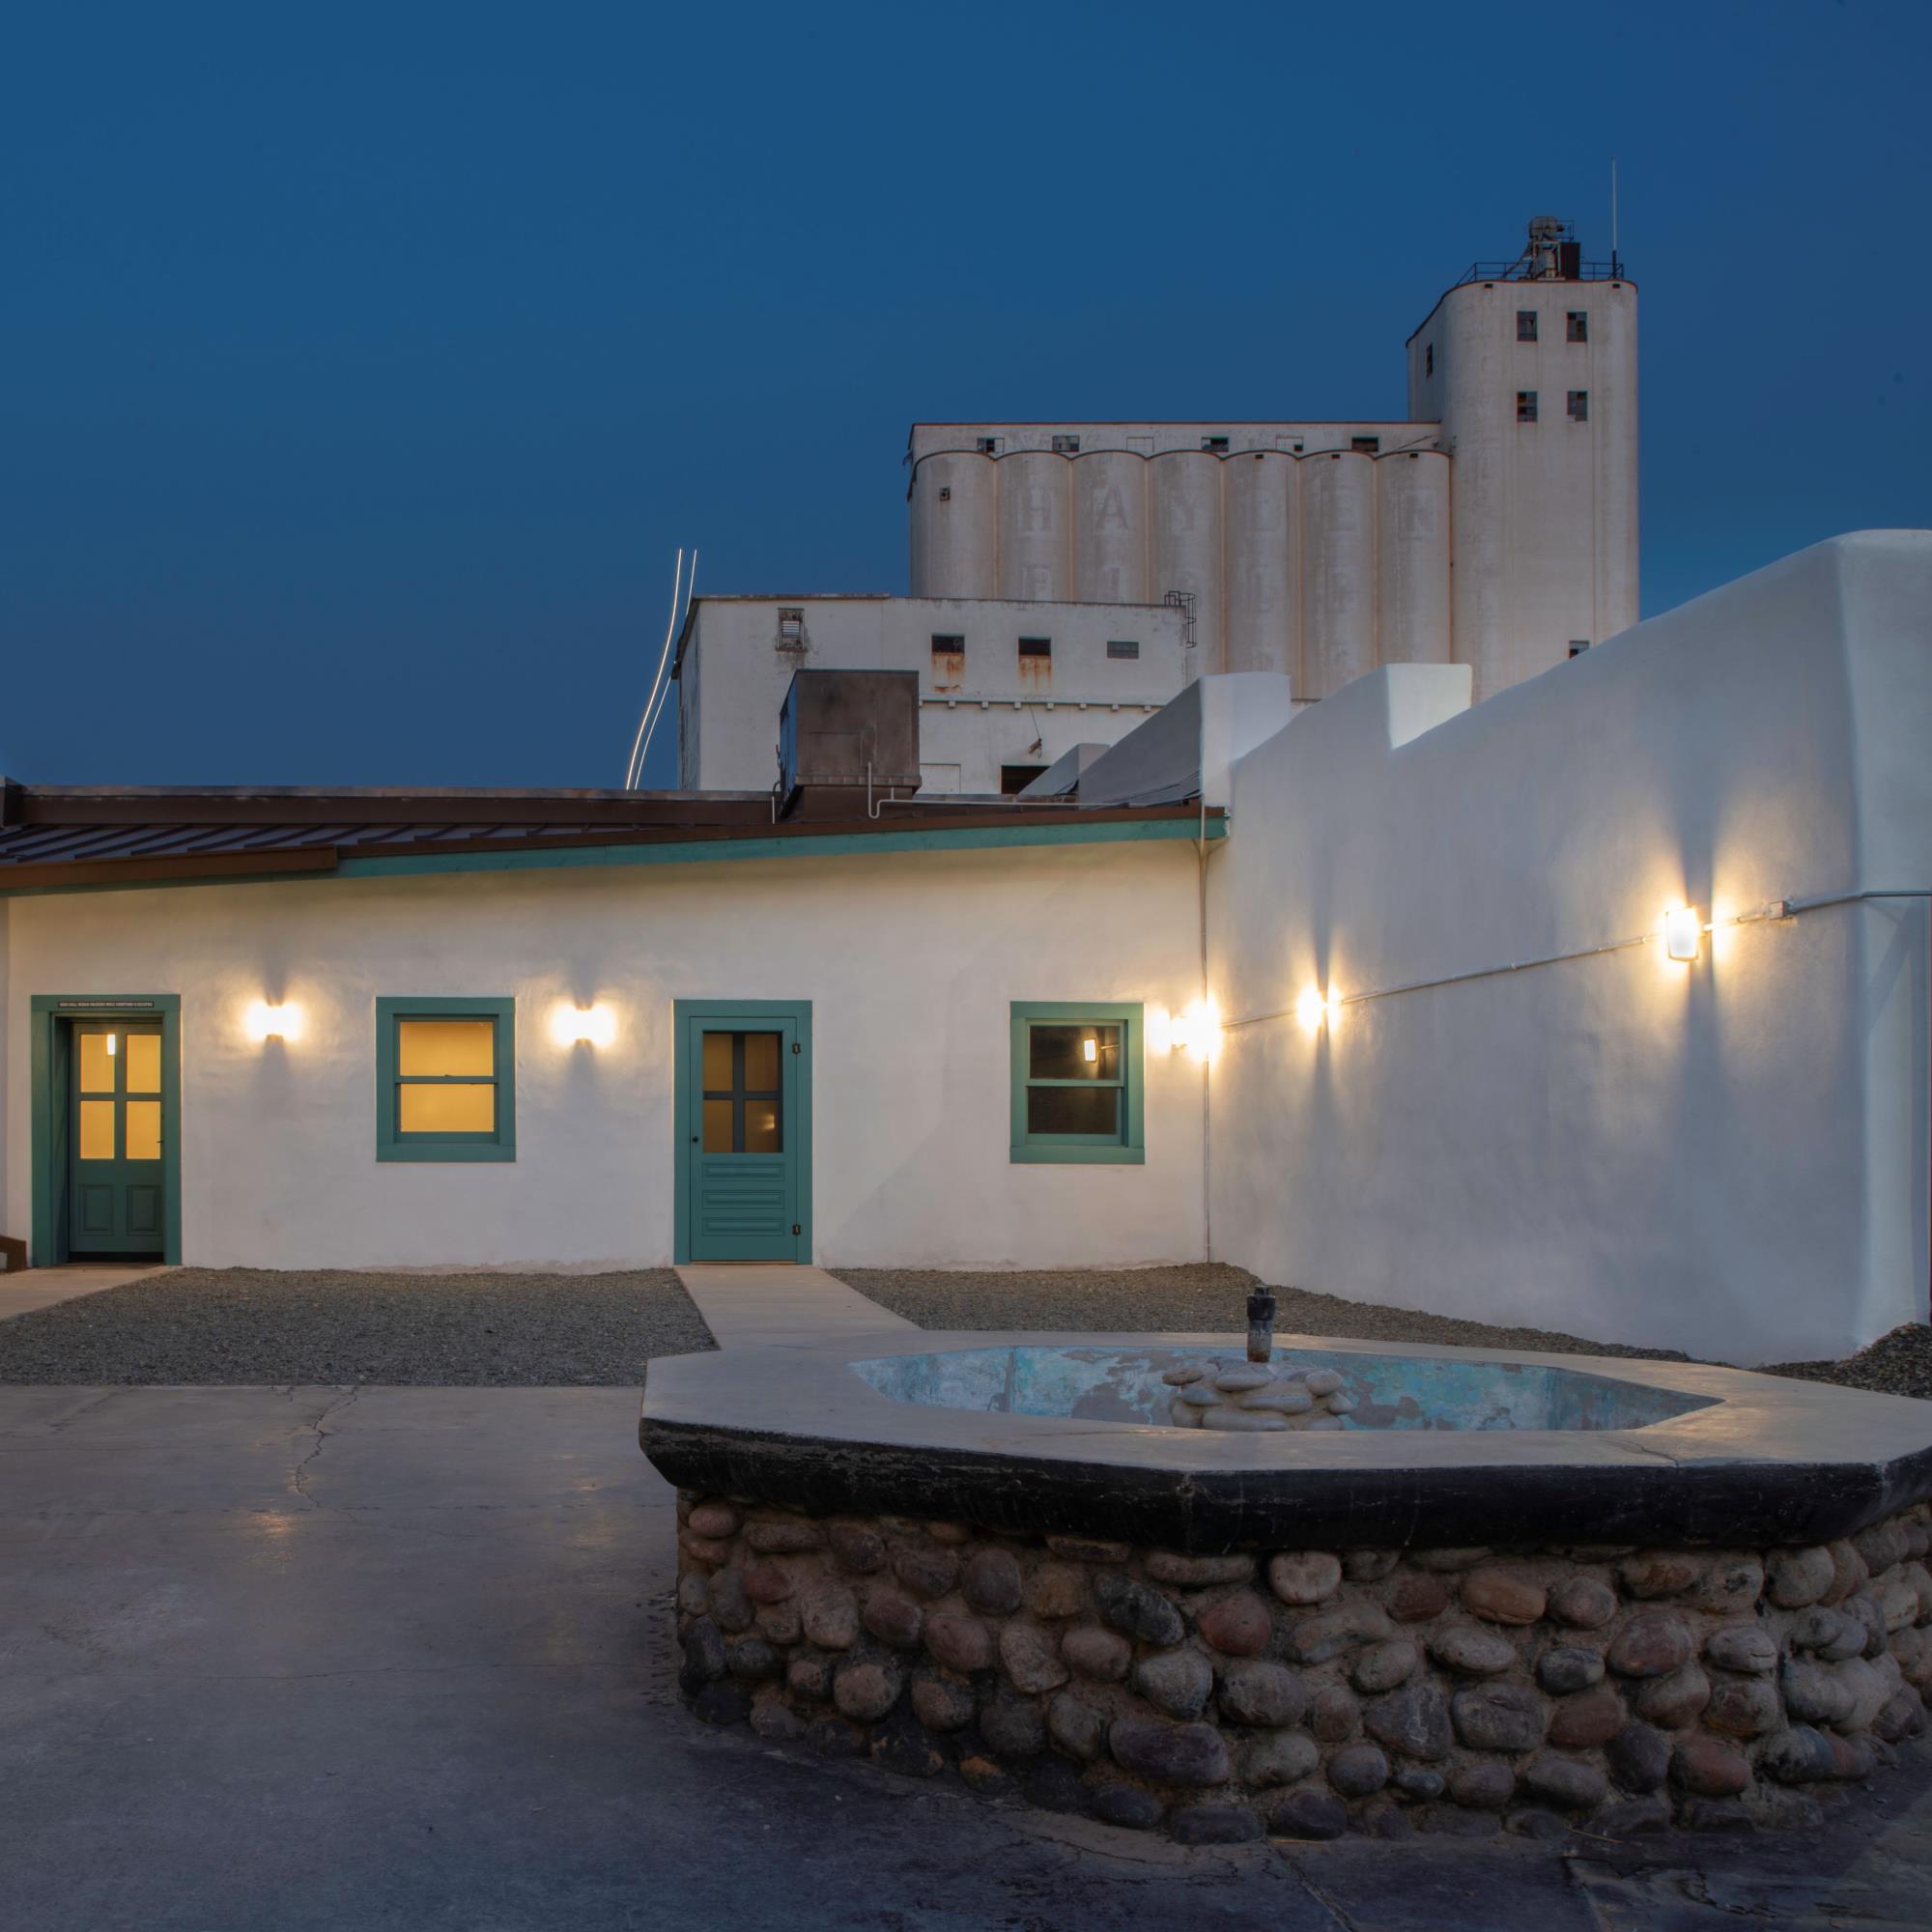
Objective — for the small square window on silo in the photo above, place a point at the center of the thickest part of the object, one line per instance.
(1365, 445)
(1124, 647)
(1579, 406)
(1525, 406)
(1067, 446)
(1526, 325)
(1579, 645)
(990, 445)
(1215, 445)
(1579, 325)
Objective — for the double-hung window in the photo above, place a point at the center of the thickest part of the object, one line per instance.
(1076, 1082)
(445, 1079)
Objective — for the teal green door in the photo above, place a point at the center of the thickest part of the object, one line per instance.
(744, 1122)
(116, 1188)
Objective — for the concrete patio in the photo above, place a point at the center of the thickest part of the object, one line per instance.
(328, 1657)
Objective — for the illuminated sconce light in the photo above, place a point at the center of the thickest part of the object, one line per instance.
(267, 1022)
(586, 1025)
(1198, 1030)
(1683, 932)
(113, 1045)
(1089, 1050)
(1315, 1009)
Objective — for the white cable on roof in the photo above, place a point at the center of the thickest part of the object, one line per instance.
(638, 743)
(652, 717)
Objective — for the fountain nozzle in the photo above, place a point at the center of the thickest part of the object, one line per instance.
(1261, 1326)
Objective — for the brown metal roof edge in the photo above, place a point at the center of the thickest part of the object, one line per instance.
(175, 869)
(212, 866)
(320, 805)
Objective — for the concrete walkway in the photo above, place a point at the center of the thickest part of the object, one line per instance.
(779, 1304)
(323, 1659)
(24, 1289)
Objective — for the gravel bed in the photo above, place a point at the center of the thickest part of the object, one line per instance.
(1199, 1296)
(259, 1327)
(1214, 1297)
(1899, 1363)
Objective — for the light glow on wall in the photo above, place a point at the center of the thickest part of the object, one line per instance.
(1197, 1030)
(1683, 933)
(266, 1022)
(1315, 1009)
(586, 1025)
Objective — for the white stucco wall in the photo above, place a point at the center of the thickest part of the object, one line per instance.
(1730, 1157)
(988, 709)
(910, 961)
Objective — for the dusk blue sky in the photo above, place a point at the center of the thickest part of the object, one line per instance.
(362, 368)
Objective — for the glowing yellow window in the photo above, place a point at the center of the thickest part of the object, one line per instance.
(96, 1063)
(445, 1074)
(144, 1130)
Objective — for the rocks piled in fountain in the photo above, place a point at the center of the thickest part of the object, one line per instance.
(1299, 1694)
(1256, 1396)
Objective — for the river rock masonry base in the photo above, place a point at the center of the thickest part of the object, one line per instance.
(1304, 1692)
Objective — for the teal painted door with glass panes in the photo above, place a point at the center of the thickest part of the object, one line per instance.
(744, 1124)
(115, 1183)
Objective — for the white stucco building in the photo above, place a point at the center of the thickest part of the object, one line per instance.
(1004, 689)
(1376, 998)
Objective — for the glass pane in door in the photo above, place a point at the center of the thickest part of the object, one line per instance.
(718, 1126)
(761, 1063)
(144, 1130)
(96, 1130)
(97, 1065)
(144, 1063)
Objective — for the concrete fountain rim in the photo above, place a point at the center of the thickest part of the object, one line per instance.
(1768, 1460)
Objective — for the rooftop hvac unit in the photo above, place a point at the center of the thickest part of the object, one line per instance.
(848, 738)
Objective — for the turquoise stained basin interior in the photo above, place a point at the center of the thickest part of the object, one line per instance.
(1115, 1384)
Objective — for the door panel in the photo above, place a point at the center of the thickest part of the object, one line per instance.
(115, 1184)
(742, 1161)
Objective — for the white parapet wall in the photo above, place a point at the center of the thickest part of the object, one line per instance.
(1728, 1156)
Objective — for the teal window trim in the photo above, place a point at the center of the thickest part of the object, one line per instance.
(799, 1122)
(48, 1069)
(1130, 1147)
(391, 1143)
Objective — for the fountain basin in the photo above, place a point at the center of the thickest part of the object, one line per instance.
(1041, 1433)
(1629, 1594)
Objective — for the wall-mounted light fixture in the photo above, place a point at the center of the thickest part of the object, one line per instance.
(1315, 1009)
(1089, 1050)
(586, 1025)
(1198, 1030)
(266, 1022)
(1683, 932)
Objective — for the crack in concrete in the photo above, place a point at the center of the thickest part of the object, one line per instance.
(299, 1475)
(1346, 1921)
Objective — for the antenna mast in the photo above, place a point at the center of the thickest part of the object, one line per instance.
(1615, 266)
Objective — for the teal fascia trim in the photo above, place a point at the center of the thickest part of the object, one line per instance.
(1069, 1150)
(799, 1013)
(391, 1143)
(833, 844)
(47, 1066)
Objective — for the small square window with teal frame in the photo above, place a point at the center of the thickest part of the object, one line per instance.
(1077, 1082)
(446, 1078)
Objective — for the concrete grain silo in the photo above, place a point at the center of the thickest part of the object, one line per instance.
(1184, 511)
(1338, 579)
(1261, 512)
(1036, 527)
(1412, 535)
(1110, 528)
(956, 525)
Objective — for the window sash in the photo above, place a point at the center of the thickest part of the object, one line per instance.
(1125, 1142)
(393, 1142)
